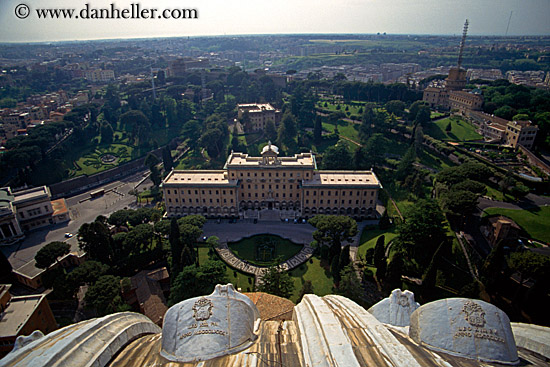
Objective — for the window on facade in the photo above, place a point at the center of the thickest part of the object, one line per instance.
(343, 193)
(284, 187)
(269, 174)
(307, 201)
(270, 187)
(168, 191)
(209, 192)
(169, 200)
(276, 174)
(255, 174)
(291, 174)
(248, 174)
(372, 193)
(176, 200)
(248, 186)
(231, 201)
(364, 202)
(284, 174)
(277, 187)
(202, 192)
(328, 193)
(371, 201)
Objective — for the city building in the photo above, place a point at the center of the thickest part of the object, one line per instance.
(26, 210)
(451, 96)
(10, 231)
(259, 114)
(99, 75)
(493, 128)
(291, 185)
(501, 228)
(464, 101)
(21, 316)
(521, 132)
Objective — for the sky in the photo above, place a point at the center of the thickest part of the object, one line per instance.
(236, 17)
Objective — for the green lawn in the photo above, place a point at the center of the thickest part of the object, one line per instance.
(344, 128)
(238, 278)
(461, 130)
(352, 109)
(246, 248)
(190, 160)
(312, 271)
(370, 236)
(433, 160)
(536, 222)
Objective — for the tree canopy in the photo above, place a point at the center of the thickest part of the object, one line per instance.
(332, 230)
(277, 282)
(49, 254)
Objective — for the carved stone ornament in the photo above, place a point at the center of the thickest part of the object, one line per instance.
(467, 328)
(396, 309)
(203, 328)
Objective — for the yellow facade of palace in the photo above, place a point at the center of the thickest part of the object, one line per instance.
(292, 185)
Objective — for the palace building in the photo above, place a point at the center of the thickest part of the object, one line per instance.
(251, 185)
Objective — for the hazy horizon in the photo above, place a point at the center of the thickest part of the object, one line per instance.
(260, 17)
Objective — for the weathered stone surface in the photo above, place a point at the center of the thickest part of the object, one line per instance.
(396, 309)
(464, 327)
(90, 343)
(202, 328)
(23, 340)
(532, 337)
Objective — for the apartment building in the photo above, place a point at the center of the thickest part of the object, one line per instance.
(259, 114)
(521, 132)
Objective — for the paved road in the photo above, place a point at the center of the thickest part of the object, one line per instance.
(81, 212)
(231, 232)
(530, 201)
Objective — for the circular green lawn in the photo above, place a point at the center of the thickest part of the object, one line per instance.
(264, 249)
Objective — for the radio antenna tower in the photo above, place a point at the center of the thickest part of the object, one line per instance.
(153, 84)
(509, 19)
(462, 42)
